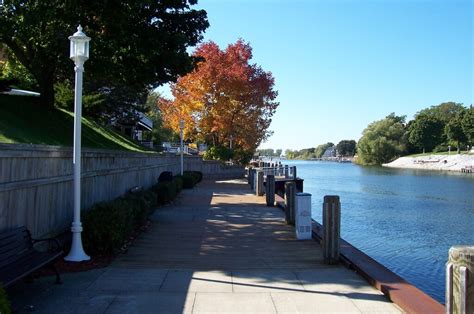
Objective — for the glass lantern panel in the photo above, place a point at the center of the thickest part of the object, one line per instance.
(81, 47)
(72, 50)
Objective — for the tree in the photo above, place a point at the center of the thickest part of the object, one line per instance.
(136, 45)
(467, 124)
(426, 131)
(346, 147)
(454, 131)
(225, 98)
(381, 141)
(278, 152)
(320, 149)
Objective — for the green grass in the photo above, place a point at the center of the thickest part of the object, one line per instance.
(25, 120)
(453, 152)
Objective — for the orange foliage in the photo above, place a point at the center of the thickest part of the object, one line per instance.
(224, 97)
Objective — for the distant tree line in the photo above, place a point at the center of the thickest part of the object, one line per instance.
(433, 129)
(345, 148)
(269, 152)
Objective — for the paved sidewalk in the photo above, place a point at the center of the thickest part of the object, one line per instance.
(218, 249)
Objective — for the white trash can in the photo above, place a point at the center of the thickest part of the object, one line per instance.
(303, 216)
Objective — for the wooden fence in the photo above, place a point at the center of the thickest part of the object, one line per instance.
(36, 181)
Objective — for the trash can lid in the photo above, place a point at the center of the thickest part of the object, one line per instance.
(303, 194)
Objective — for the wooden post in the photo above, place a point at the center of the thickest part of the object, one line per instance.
(331, 229)
(270, 190)
(290, 195)
(252, 178)
(286, 171)
(294, 172)
(249, 175)
(460, 280)
(259, 189)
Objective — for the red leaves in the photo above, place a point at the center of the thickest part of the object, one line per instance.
(224, 97)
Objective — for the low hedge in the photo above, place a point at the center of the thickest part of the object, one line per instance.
(5, 307)
(191, 178)
(108, 225)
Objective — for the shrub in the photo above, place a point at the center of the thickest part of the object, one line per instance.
(165, 176)
(166, 191)
(188, 180)
(178, 180)
(4, 303)
(143, 203)
(106, 226)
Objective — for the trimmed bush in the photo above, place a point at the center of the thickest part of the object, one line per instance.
(106, 226)
(165, 176)
(4, 303)
(178, 180)
(191, 178)
(188, 180)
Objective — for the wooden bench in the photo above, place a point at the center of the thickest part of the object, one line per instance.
(19, 257)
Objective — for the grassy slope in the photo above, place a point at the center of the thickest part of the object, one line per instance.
(25, 120)
(453, 152)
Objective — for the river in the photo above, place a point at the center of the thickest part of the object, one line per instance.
(405, 219)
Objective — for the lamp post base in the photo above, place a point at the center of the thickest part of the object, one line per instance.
(77, 253)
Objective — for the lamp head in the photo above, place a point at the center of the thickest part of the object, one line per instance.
(79, 49)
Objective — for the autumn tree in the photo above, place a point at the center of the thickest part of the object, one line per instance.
(226, 99)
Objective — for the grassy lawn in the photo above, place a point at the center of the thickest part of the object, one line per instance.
(25, 120)
(453, 152)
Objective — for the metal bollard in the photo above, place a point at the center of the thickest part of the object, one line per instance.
(290, 194)
(460, 280)
(331, 229)
(259, 189)
(270, 190)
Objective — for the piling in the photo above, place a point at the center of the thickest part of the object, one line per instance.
(249, 175)
(290, 195)
(259, 188)
(270, 190)
(460, 280)
(294, 172)
(331, 229)
(286, 171)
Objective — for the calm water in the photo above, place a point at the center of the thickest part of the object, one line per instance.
(405, 219)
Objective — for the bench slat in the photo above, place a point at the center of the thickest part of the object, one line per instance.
(25, 266)
(18, 258)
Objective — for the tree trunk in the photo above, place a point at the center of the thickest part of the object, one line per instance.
(47, 94)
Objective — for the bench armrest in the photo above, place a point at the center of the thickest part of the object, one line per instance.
(53, 240)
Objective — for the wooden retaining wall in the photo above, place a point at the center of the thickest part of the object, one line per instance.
(36, 181)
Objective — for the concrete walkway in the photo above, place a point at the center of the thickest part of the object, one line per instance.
(218, 249)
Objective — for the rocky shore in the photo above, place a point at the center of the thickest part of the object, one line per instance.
(452, 162)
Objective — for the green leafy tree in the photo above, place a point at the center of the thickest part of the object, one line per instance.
(320, 149)
(278, 152)
(136, 45)
(467, 125)
(426, 132)
(346, 147)
(454, 131)
(381, 141)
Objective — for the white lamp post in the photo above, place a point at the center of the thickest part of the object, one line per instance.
(79, 53)
(181, 128)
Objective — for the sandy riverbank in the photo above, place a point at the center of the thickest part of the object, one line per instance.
(453, 162)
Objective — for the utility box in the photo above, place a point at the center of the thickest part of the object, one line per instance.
(303, 216)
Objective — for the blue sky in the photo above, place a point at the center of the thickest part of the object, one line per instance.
(339, 65)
